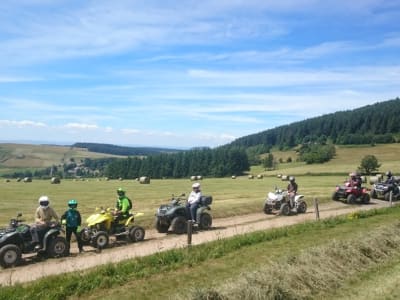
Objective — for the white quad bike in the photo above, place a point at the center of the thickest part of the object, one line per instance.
(279, 203)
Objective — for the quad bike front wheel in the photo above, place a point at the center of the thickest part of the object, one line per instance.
(57, 247)
(335, 196)
(161, 228)
(179, 224)
(366, 198)
(100, 240)
(136, 234)
(10, 255)
(205, 221)
(351, 199)
(267, 209)
(285, 209)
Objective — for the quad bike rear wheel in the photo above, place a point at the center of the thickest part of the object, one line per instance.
(302, 207)
(205, 221)
(57, 247)
(10, 255)
(335, 196)
(100, 240)
(136, 234)
(178, 225)
(366, 198)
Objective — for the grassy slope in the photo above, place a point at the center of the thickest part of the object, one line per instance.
(347, 159)
(41, 156)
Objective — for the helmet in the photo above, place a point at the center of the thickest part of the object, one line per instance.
(352, 174)
(120, 191)
(44, 201)
(389, 174)
(292, 178)
(196, 185)
(72, 203)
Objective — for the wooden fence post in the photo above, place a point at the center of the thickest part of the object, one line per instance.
(316, 208)
(189, 232)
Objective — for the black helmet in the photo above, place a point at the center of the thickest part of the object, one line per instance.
(292, 178)
(389, 174)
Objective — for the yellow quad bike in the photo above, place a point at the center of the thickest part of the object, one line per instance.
(102, 224)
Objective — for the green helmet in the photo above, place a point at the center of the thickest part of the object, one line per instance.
(121, 191)
(72, 203)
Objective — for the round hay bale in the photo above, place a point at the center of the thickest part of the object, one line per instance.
(199, 177)
(374, 179)
(233, 177)
(8, 180)
(144, 180)
(107, 179)
(260, 176)
(120, 179)
(28, 179)
(284, 177)
(19, 179)
(279, 175)
(192, 178)
(251, 176)
(55, 180)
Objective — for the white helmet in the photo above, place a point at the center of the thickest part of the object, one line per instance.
(196, 185)
(44, 201)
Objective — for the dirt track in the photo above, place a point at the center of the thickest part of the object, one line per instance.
(33, 269)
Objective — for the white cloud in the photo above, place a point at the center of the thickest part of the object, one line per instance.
(80, 126)
(20, 124)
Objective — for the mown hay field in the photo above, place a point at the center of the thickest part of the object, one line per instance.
(230, 196)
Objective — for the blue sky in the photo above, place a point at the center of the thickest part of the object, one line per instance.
(183, 74)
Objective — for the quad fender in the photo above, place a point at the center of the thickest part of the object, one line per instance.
(48, 235)
(298, 197)
(178, 211)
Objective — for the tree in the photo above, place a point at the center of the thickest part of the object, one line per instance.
(369, 164)
(268, 162)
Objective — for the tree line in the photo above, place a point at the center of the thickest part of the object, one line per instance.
(371, 124)
(217, 162)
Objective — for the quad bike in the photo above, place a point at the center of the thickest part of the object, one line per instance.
(176, 215)
(16, 240)
(351, 194)
(102, 224)
(382, 190)
(278, 201)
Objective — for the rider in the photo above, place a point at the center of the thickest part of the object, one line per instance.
(72, 220)
(389, 178)
(43, 216)
(355, 180)
(292, 190)
(194, 200)
(123, 205)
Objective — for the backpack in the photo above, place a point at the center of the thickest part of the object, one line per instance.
(130, 203)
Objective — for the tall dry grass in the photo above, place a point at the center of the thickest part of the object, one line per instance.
(312, 272)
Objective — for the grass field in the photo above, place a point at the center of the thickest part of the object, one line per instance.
(230, 196)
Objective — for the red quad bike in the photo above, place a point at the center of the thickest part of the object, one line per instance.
(351, 194)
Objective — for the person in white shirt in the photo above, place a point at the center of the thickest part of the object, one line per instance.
(194, 200)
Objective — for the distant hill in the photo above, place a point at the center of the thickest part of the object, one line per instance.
(371, 124)
(123, 150)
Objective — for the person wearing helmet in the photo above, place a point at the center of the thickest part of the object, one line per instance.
(193, 201)
(44, 215)
(123, 205)
(355, 180)
(292, 190)
(389, 178)
(72, 221)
